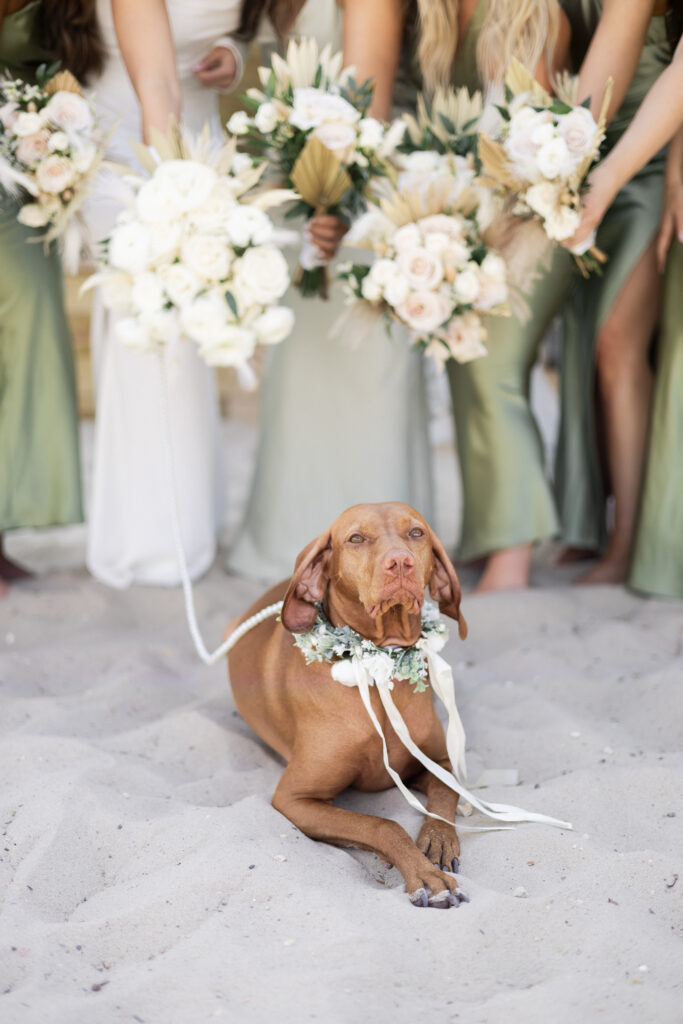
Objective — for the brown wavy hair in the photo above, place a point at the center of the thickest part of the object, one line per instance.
(69, 29)
(281, 14)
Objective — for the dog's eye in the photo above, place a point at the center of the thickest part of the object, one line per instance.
(356, 538)
(416, 532)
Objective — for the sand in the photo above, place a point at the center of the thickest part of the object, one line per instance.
(146, 878)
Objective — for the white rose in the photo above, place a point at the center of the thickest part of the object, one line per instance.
(492, 293)
(246, 225)
(371, 133)
(436, 242)
(422, 269)
(59, 141)
(340, 138)
(420, 161)
(27, 123)
(69, 111)
(180, 284)
(129, 247)
(273, 325)
(31, 148)
(371, 289)
(262, 275)
(382, 271)
(465, 338)
(157, 202)
(266, 118)
(313, 107)
(519, 144)
(466, 285)
(233, 347)
(192, 182)
(164, 241)
(239, 123)
(542, 133)
(147, 293)
(208, 256)
(396, 290)
(494, 266)
(407, 237)
(441, 224)
(160, 324)
(204, 319)
(212, 215)
(579, 131)
(33, 215)
(54, 174)
(131, 333)
(554, 159)
(561, 223)
(424, 311)
(241, 162)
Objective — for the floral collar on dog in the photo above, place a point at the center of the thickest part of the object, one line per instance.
(325, 642)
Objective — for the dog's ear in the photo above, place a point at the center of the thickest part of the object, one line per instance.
(307, 586)
(444, 586)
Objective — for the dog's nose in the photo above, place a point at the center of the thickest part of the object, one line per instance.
(399, 561)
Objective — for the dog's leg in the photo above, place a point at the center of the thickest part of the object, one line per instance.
(310, 809)
(437, 840)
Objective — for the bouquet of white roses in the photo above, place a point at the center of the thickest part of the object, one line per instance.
(433, 270)
(195, 255)
(50, 149)
(542, 155)
(310, 116)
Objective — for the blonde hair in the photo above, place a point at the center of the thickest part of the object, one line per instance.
(525, 29)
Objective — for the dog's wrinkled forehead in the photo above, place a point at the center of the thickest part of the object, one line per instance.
(392, 521)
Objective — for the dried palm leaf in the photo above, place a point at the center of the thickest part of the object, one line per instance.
(496, 165)
(63, 81)
(319, 177)
(519, 80)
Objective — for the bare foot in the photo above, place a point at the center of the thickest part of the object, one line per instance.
(507, 569)
(607, 570)
(570, 555)
(10, 570)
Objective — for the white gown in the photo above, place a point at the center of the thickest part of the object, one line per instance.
(130, 536)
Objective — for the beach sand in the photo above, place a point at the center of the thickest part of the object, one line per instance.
(146, 878)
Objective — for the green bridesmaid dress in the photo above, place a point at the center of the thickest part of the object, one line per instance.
(657, 566)
(628, 228)
(507, 499)
(39, 463)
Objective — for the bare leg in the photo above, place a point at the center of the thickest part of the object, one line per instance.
(625, 390)
(318, 818)
(9, 570)
(507, 569)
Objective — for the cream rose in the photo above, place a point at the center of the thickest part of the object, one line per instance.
(465, 338)
(262, 275)
(59, 142)
(340, 138)
(422, 269)
(129, 247)
(33, 215)
(424, 311)
(8, 115)
(164, 242)
(396, 290)
(407, 237)
(208, 256)
(561, 223)
(147, 293)
(491, 293)
(69, 111)
(441, 224)
(494, 266)
(466, 284)
(266, 118)
(31, 148)
(382, 271)
(371, 133)
(27, 123)
(191, 182)
(233, 347)
(313, 107)
(55, 174)
(371, 289)
(204, 319)
(580, 132)
(543, 198)
(246, 225)
(274, 325)
(239, 123)
(554, 159)
(180, 284)
(83, 157)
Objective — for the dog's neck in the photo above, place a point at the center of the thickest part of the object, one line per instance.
(395, 627)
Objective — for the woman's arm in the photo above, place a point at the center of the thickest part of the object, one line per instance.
(372, 43)
(672, 212)
(614, 51)
(146, 43)
(659, 116)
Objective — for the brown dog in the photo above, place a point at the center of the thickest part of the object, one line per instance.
(369, 571)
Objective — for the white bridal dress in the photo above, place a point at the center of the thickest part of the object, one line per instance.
(130, 536)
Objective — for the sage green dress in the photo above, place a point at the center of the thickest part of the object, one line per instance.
(39, 464)
(657, 566)
(628, 228)
(507, 498)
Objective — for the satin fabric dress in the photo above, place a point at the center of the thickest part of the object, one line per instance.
(39, 458)
(657, 566)
(507, 498)
(628, 228)
(130, 538)
(340, 424)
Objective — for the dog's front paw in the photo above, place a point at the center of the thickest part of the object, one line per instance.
(430, 887)
(439, 843)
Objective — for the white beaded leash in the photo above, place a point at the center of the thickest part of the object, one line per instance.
(209, 658)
